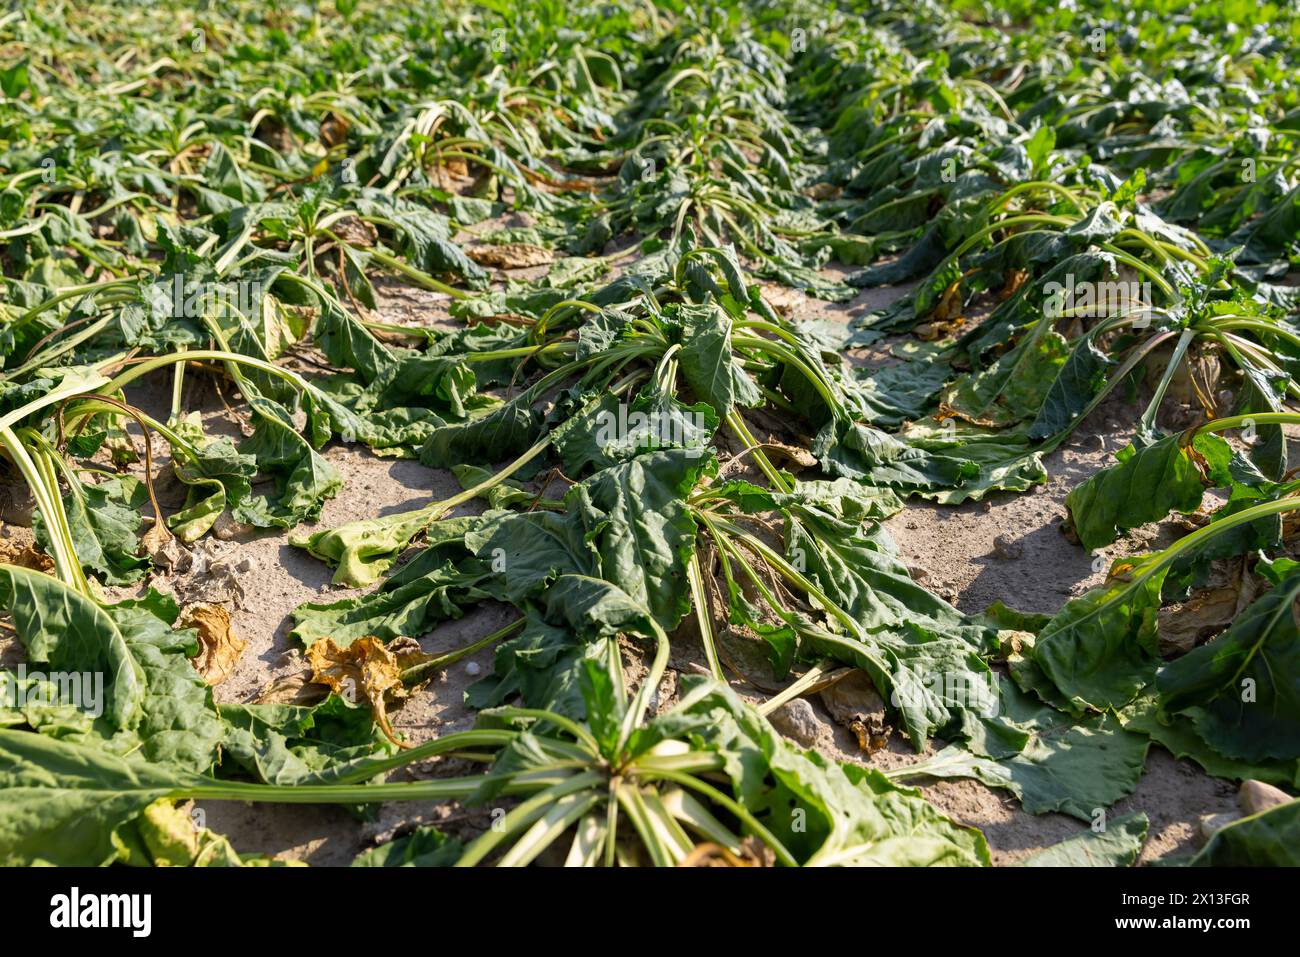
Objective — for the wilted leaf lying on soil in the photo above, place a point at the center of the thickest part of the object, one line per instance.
(1267, 839)
(426, 846)
(1118, 845)
(510, 255)
(650, 174)
(1240, 690)
(1150, 481)
(219, 646)
(362, 673)
(173, 839)
(1068, 766)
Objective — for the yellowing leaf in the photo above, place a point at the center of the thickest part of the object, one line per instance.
(510, 255)
(363, 671)
(174, 838)
(219, 646)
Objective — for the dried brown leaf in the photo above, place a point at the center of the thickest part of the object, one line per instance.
(449, 173)
(219, 646)
(789, 456)
(753, 853)
(510, 255)
(854, 703)
(164, 548)
(1209, 610)
(294, 688)
(408, 652)
(364, 671)
(1015, 278)
(355, 231)
(15, 552)
(948, 412)
(823, 191)
(334, 130)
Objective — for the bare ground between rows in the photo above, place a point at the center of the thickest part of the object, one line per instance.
(952, 550)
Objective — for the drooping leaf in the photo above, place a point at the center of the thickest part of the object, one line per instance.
(853, 816)
(1268, 839)
(486, 438)
(1118, 845)
(1178, 736)
(641, 529)
(65, 804)
(68, 632)
(1238, 690)
(426, 846)
(1100, 649)
(303, 478)
(1150, 481)
(105, 523)
(708, 364)
(860, 452)
(1065, 765)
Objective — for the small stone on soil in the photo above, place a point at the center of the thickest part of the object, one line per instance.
(796, 720)
(1007, 548)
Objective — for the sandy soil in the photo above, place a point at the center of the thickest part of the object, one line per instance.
(951, 549)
